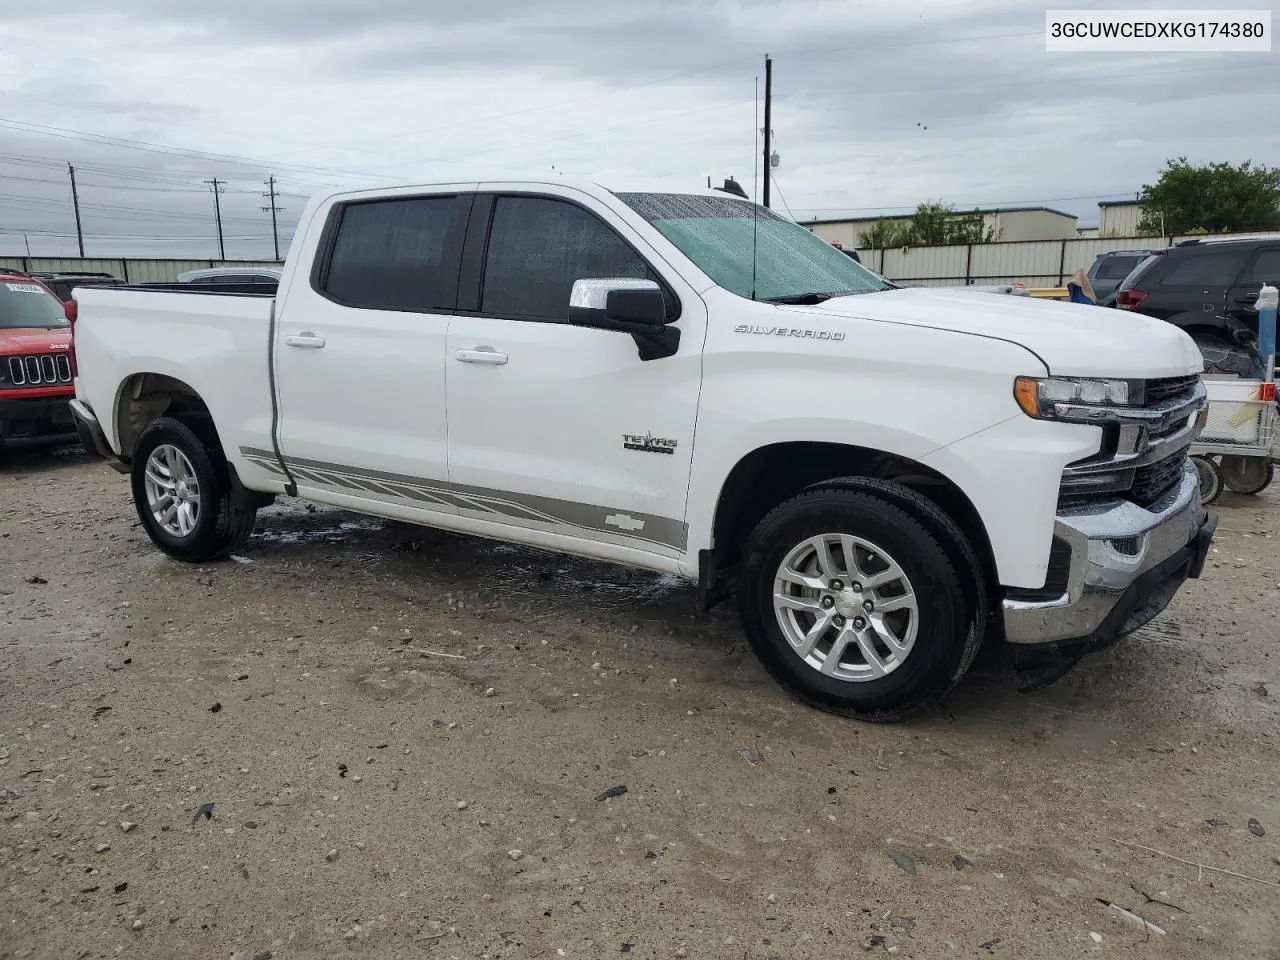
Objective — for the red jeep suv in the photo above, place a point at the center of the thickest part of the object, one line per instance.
(36, 376)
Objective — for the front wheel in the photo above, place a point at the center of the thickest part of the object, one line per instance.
(852, 603)
(183, 494)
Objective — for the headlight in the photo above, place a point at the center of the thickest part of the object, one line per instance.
(1037, 395)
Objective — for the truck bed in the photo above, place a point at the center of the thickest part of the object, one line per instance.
(216, 343)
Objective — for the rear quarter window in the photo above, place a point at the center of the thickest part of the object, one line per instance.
(1117, 268)
(1212, 268)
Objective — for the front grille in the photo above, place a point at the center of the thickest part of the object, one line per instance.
(1169, 388)
(43, 370)
(1152, 482)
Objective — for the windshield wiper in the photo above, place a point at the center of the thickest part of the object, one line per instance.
(801, 299)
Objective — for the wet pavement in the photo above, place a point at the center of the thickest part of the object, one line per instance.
(421, 705)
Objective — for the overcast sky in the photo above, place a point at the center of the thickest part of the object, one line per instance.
(877, 106)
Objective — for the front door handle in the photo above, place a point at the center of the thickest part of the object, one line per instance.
(307, 339)
(482, 355)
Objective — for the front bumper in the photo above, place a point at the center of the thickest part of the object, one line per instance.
(35, 420)
(1126, 564)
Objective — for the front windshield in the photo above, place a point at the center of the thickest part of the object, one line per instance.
(27, 304)
(723, 236)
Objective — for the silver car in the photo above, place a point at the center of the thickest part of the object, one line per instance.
(215, 275)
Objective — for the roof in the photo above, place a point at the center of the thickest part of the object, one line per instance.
(1119, 203)
(908, 216)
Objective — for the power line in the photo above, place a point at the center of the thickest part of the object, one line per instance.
(785, 205)
(116, 212)
(743, 61)
(66, 133)
(567, 136)
(36, 232)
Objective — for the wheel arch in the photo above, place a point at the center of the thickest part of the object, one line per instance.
(772, 473)
(144, 397)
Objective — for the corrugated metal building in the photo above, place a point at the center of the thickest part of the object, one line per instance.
(1118, 218)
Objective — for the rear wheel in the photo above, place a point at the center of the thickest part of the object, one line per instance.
(1210, 477)
(183, 494)
(854, 604)
(1247, 474)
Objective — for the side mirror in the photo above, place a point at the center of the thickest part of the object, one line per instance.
(71, 309)
(627, 305)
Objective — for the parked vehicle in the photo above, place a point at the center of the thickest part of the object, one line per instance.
(1206, 286)
(851, 254)
(237, 275)
(63, 283)
(1109, 269)
(882, 475)
(35, 364)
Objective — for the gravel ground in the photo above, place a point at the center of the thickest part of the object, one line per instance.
(401, 739)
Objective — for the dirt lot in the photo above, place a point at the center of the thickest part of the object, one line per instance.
(403, 735)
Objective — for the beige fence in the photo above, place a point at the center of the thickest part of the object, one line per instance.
(132, 269)
(1040, 263)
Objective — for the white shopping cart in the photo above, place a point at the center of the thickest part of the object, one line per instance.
(1234, 447)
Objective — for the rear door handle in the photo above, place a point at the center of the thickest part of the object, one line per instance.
(482, 355)
(307, 339)
(1247, 298)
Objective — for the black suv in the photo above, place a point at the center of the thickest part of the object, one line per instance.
(1205, 286)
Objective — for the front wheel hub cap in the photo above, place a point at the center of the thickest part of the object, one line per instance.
(870, 626)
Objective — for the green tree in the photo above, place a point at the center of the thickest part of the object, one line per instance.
(886, 234)
(934, 224)
(1213, 198)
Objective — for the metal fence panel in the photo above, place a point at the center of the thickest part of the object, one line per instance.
(133, 269)
(1005, 262)
(922, 262)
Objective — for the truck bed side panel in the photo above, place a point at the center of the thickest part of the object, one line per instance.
(216, 345)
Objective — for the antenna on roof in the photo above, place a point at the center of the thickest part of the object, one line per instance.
(755, 209)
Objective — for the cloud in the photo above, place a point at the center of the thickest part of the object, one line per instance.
(319, 92)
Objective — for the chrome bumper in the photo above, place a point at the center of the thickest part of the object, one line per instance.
(1126, 564)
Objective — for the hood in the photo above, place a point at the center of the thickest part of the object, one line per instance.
(33, 340)
(1072, 339)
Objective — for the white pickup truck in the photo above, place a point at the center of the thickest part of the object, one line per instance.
(690, 384)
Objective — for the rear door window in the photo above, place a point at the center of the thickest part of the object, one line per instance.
(387, 254)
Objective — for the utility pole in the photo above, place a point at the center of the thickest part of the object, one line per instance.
(216, 186)
(75, 202)
(768, 120)
(275, 231)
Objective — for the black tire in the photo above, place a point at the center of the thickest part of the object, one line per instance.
(1210, 476)
(224, 519)
(1247, 475)
(949, 629)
